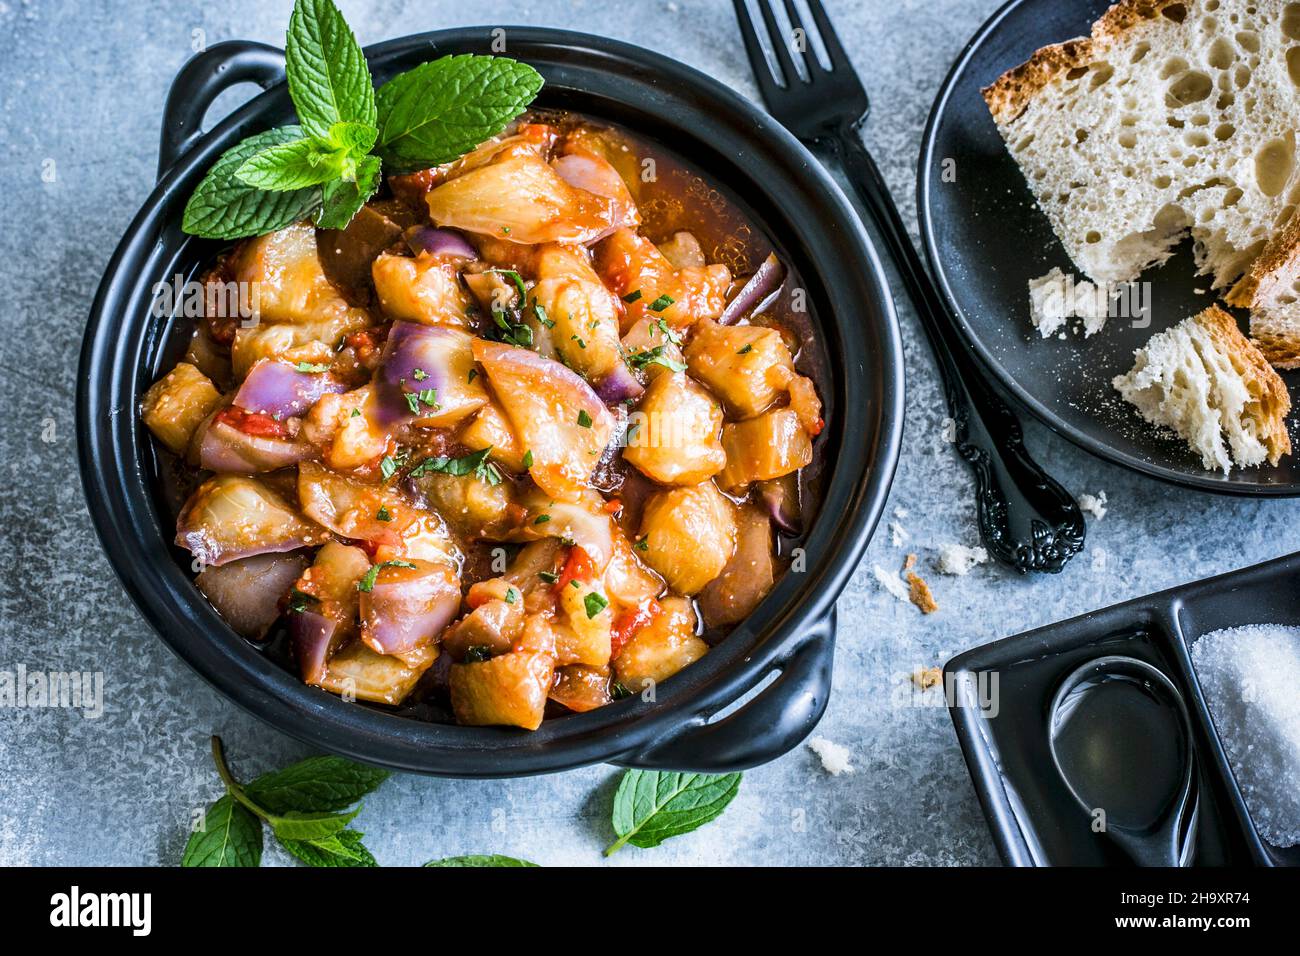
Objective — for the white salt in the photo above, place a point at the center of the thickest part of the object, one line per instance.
(898, 535)
(959, 559)
(1251, 677)
(834, 757)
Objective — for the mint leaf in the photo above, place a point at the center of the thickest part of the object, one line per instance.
(651, 806)
(490, 859)
(231, 836)
(340, 849)
(225, 207)
(343, 198)
(356, 138)
(296, 825)
(315, 785)
(329, 81)
(294, 165)
(442, 109)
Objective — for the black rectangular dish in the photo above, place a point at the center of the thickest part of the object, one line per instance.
(1000, 694)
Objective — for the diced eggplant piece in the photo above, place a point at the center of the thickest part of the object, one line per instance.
(408, 605)
(493, 627)
(596, 175)
(581, 688)
(490, 428)
(356, 672)
(747, 366)
(635, 269)
(585, 314)
(208, 357)
(474, 508)
(770, 446)
(661, 648)
(424, 289)
(230, 517)
(311, 342)
(248, 593)
(329, 602)
(555, 414)
(222, 447)
(286, 274)
(427, 376)
(510, 690)
(688, 535)
(584, 522)
(523, 199)
(749, 575)
(347, 254)
(684, 251)
(346, 428)
(628, 582)
(174, 406)
(653, 345)
(674, 433)
(283, 391)
(583, 635)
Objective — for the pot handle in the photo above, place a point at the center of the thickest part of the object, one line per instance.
(201, 80)
(773, 723)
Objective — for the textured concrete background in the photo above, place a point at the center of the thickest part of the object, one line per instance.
(81, 92)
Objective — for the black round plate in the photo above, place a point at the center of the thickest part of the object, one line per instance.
(985, 238)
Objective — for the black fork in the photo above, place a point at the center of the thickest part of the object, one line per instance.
(1026, 518)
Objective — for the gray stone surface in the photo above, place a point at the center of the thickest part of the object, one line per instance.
(81, 92)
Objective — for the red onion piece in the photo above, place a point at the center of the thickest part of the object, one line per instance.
(247, 593)
(761, 286)
(316, 637)
(620, 385)
(281, 391)
(408, 607)
(224, 448)
(439, 242)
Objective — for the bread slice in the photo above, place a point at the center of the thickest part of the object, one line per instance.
(1174, 116)
(1271, 290)
(1206, 381)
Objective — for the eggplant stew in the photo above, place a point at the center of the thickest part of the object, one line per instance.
(532, 433)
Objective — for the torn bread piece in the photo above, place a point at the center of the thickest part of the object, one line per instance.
(1271, 290)
(1205, 381)
(1173, 117)
(1055, 298)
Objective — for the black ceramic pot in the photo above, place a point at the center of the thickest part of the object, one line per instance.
(791, 635)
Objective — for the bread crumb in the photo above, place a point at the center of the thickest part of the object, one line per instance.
(1095, 505)
(957, 559)
(891, 583)
(927, 677)
(834, 757)
(901, 512)
(898, 535)
(919, 592)
(1056, 297)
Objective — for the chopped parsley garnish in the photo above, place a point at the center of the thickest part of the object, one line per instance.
(655, 356)
(746, 349)
(661, 303)
(542, 317)
(518, 281)
(356, 413)
(429, 396)
(642, 545)
(632, 297)
(367, 582)
(581, 343)
(528, 458)
(595, 603)
(383, 514)
(550, 577)
(479, 652)
(512, 595)
(618, 690)
(389, 465)
(419, 375)
(299, 601)
(412, 402)
(666, 331)
(475, 464)
(584, 420)
(541, 519)
(513, 333)
(309, 367)
(472, 373)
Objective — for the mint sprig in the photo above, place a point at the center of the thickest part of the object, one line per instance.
(301, 804)
(326, 168)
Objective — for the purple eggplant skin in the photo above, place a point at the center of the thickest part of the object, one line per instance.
(781, 498)
(247, 593)
(280, 390)
(224, 448)
(407, 608)
(761, 286)
(415, 358)
(316, 637)
(439, 242)
(618, 386)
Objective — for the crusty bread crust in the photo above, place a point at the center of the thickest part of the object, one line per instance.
(1273, 274)
(1009, 94)
(1272, 398)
